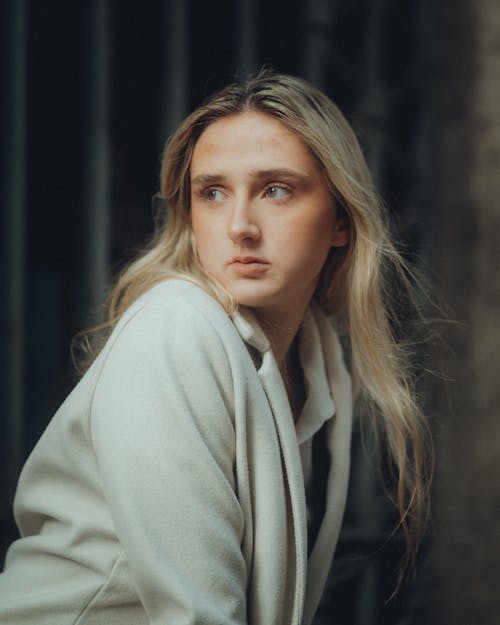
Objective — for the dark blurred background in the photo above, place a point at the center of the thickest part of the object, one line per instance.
(89, 92)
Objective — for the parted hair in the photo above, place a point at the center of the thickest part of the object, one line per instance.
(357, 282)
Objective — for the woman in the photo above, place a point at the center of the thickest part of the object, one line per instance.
(174, 485)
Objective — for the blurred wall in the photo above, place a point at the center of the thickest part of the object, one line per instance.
(466, 544)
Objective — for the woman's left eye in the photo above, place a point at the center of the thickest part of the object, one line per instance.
(277, 192)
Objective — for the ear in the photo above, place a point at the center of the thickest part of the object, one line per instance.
(341, 232)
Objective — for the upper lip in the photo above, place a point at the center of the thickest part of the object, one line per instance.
(248, 259)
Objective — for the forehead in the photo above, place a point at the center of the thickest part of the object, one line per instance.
(252, 139)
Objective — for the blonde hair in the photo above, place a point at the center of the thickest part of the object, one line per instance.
(355, 282)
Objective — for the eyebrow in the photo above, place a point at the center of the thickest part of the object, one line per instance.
(260, 174)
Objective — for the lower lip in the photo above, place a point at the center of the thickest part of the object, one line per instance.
(250, 270)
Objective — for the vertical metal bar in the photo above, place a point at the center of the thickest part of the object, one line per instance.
(316, 50)
(97, 162)
(373, 105)
(422, 209)
(372, 111)
(13, 202)
(175, 67)
(247, 33)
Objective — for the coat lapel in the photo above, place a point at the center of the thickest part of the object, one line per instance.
(339, 445)
(295, 565)
(276, 394)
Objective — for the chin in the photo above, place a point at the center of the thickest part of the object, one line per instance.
(252, 295)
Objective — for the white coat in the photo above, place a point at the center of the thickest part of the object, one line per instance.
(168, 488)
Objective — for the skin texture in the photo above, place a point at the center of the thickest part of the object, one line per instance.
(263, 217)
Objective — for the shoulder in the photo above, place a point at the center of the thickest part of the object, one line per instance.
(170, 352)
(174, 337)
(182, 299)
(176, 313)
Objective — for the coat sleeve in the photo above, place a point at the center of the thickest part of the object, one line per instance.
(163, 433)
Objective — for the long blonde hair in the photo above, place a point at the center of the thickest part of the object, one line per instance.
(355, 282)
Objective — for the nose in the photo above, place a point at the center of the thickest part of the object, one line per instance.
(242, 227)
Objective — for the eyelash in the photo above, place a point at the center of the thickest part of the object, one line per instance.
(204, 193)
(280, 185)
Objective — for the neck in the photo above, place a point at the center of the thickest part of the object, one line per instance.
(281, 330)
(281, 327)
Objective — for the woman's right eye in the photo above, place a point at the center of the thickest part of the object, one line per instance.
(214, 195)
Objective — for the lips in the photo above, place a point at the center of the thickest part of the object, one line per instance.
(249, 266)
(248, 260)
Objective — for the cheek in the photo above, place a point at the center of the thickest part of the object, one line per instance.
(313, 244)
(201, 227)
(315, 251)
(312, 233)
(207, 237)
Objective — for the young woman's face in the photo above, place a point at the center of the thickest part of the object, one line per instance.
(262, 215)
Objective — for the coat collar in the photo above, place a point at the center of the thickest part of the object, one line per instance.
(319, 405)
(250, 330)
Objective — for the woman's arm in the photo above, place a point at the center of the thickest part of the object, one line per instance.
(161, 425)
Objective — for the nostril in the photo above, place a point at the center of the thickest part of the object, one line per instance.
(243, 229)
(252, 234)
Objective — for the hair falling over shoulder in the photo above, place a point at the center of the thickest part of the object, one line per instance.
(368, 284)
